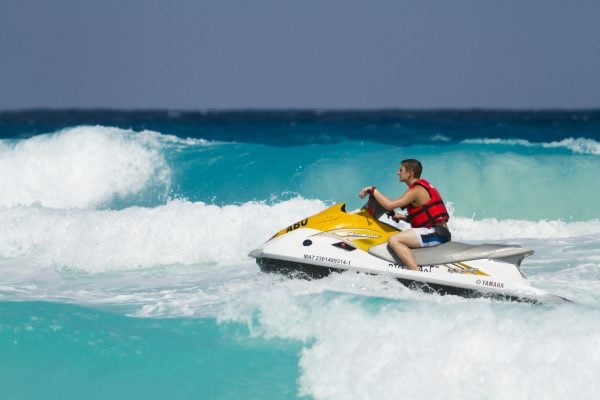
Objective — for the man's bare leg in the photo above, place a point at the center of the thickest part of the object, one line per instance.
(401, 243)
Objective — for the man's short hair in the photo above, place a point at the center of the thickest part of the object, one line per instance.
(413, 165)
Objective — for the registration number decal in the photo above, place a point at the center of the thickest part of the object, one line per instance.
(325, 259)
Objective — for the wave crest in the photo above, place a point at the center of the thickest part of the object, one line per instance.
(576, 145)
(82, 167)
(179, 232)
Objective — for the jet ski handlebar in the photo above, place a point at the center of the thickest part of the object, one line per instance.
(376, 210)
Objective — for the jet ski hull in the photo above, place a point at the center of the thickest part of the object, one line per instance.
(294, 269)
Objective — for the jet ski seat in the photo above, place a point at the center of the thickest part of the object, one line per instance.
(451, 252)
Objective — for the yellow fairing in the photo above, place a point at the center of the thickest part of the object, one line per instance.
(359, 229)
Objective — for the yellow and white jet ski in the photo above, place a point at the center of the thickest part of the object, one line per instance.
(335, 241)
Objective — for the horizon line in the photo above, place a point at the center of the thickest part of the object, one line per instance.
(316, 110)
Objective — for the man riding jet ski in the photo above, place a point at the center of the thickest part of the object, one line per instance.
(427, 213)
(335, 241)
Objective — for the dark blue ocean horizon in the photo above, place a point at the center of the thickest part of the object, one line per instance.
(300, 127)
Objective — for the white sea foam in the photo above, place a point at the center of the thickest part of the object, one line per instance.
(440, 138)
(179, 232)
(183, 232)
(508, 142)
(83, 167)
(405, 344)
(576, 145)
(491, 229)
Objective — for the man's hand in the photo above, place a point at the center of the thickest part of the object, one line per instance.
(365, 191)
(398, 217)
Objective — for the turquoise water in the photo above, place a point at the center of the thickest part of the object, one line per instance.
(124, 270)
(78, 352)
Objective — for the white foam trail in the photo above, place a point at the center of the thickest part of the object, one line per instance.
(576, 145)
(83, 167)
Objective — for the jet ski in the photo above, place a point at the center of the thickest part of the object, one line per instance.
(335, 240)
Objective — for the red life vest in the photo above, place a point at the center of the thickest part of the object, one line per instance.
(431, 213)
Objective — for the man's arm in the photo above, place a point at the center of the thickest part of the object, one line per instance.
(389, 204)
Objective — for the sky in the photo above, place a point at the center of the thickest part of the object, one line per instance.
(308, 54)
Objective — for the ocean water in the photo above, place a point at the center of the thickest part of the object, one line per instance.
(124, 271)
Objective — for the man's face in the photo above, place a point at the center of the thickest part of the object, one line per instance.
(404, 174)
